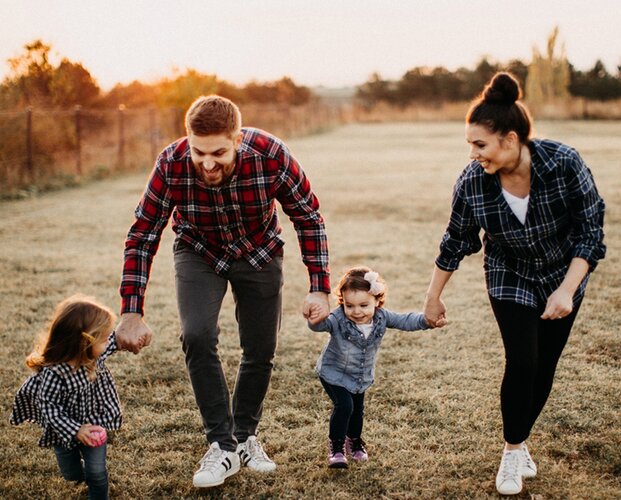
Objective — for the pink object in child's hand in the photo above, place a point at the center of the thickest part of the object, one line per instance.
(99, 437)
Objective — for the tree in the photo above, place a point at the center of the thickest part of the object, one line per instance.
(30, 75)
(184, 89)
(72, 84)
(134, 95)
(548, 75)
(375, 90)
(33, 81)
(595, 84)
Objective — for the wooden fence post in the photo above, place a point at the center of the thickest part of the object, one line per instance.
(78, 140)
(29, 142)
(152, 132)
(121, 145)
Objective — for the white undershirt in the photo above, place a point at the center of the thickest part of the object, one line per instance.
(366, 329)
(518, 205)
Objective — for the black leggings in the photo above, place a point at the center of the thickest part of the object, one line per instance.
(347, 414)
(532, 349)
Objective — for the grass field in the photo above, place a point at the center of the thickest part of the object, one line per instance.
(432, 420)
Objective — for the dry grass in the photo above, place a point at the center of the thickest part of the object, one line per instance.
(432, 421)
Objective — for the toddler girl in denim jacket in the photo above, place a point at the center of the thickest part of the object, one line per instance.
(346, 366)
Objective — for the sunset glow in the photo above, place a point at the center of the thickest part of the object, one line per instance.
(316, 43)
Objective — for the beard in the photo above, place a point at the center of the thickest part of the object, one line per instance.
(217, 176)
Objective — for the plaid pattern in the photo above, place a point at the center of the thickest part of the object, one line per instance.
(236, 220)
(61, 399)
(525, 263)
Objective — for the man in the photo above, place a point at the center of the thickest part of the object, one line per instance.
(220, 184)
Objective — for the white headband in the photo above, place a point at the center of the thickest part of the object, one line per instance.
(376, 287)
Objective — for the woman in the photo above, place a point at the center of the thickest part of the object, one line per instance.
(543, 235)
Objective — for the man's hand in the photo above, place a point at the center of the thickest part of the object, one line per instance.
(132, 334)
(316, 307)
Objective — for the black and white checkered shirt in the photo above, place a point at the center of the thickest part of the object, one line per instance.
(61, 399)
(525, 263)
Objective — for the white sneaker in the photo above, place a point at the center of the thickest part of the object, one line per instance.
(252, 454)
(529, 467)
(215, 466)
(509, 477)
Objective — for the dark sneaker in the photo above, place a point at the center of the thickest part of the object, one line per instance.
(356, 449)
(337, 458)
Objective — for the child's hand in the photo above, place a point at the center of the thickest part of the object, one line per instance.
(441, 322)
(316, 307)
(438, 323)
(314, 310)
(92, 435)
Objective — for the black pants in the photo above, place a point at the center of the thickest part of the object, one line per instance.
(532, 349)
(347, 414)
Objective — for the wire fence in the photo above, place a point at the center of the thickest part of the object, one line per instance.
(41, 149)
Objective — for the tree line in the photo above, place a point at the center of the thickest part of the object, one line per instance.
(34, 81)
(548, 76)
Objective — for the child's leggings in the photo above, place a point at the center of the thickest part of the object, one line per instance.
(533, 347)
(84, 463)
(347, 414)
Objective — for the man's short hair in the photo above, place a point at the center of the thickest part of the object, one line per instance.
(211, 115)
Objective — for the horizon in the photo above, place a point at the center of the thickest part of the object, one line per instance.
(318, 45)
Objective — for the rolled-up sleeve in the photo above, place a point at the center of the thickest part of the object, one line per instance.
(587, 212)
(462, 233)
(302, 207)
(143, 240)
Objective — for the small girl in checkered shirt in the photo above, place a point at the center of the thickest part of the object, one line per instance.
(72, 395)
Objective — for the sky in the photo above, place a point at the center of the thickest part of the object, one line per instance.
(333, 43)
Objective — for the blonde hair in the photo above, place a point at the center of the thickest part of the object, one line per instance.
(353, 279)
(77, 324)
(212, 115)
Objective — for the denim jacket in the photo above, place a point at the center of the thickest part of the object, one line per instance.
(348, 359)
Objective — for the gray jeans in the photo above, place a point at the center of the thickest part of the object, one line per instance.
(258, 307)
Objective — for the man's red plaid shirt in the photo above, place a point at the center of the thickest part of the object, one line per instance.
(238, 219)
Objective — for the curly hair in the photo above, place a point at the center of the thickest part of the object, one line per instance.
(353, 279)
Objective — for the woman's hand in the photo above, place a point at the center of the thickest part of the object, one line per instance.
(559, 304)
(435, 312)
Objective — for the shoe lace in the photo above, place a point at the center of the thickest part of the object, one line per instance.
(337, 446)
(510, 466)
(358, 444)
(211, 459)
(528, 461)
(256, 451)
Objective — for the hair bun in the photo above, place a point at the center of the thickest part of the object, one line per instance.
(503, 89)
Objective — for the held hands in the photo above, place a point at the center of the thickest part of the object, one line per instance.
(132, 333)
(559, 305)
(435, 312)
(92, 435)
(316, 307)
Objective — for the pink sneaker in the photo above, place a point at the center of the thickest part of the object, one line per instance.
(336, 457)
(356, 449)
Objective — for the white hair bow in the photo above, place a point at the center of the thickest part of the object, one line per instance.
(376, 287)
